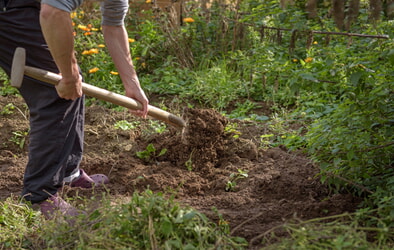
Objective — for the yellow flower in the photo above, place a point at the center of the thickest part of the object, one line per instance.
(295, 60)
(315, 42)
(94, 70)
(308, 59)
(90, 52)
(188, 20)
(101, 46)
(81, 13)
(137, 58)
(83, 27)
(114, 73)
(131, 40)
(94, 51)
(95, 29)
(73, 14)
(148, 1)
(143, 65)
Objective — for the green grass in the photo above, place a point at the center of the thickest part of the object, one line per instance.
(148, 221)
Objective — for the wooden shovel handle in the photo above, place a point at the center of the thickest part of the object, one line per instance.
(105, 95)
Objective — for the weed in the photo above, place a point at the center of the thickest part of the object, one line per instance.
(158, 126)
(17, 222)
(147, 221)
(232, 128)
(125, 125)
(149, 154)
(343, 231)
(19, 138)
(8, 109)
(234, 178)
(189, 162)
(266, 141)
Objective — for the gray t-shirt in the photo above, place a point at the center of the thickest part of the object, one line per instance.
(113, 11)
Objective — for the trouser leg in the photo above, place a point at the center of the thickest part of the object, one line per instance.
(56, 124)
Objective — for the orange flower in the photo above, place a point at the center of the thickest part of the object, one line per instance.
(83, 27)
(93, 70)
(90, 52)
(308, 59)
(188, 20)
(94, 51)
(87, 33)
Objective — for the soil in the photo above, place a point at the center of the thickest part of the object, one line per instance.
(197, 166)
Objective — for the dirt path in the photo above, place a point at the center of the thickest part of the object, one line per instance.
(196, 167)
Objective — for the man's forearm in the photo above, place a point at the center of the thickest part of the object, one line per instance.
(58, 32)
(118, 45)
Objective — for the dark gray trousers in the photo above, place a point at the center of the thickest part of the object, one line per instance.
(56, 124)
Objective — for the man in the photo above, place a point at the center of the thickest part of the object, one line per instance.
(57, 113)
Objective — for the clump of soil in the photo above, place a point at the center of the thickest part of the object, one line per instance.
(197, 167)
(204, 145)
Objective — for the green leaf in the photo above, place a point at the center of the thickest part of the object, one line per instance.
(150, 148)
(355, 77)
(162, 152)
(189, 215)
(166, 227)
(308, 76)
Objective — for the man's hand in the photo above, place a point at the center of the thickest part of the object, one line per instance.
(70, 88)
(134, 91)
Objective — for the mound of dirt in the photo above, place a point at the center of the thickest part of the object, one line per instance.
(205, 166)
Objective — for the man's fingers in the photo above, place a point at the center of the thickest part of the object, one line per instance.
(139, 113)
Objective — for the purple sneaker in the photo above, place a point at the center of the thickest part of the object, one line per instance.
(86, 181)
(55, 204)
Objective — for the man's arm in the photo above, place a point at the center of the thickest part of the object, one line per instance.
(117, 42)
(57, 28)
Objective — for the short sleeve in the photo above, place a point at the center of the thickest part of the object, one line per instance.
(114, 12)
(66, 5)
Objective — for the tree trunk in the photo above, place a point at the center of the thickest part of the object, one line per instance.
(376, 9)
(285, 3)
(338, 7)
(311, 9)
(390, 9)
(354, 8)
